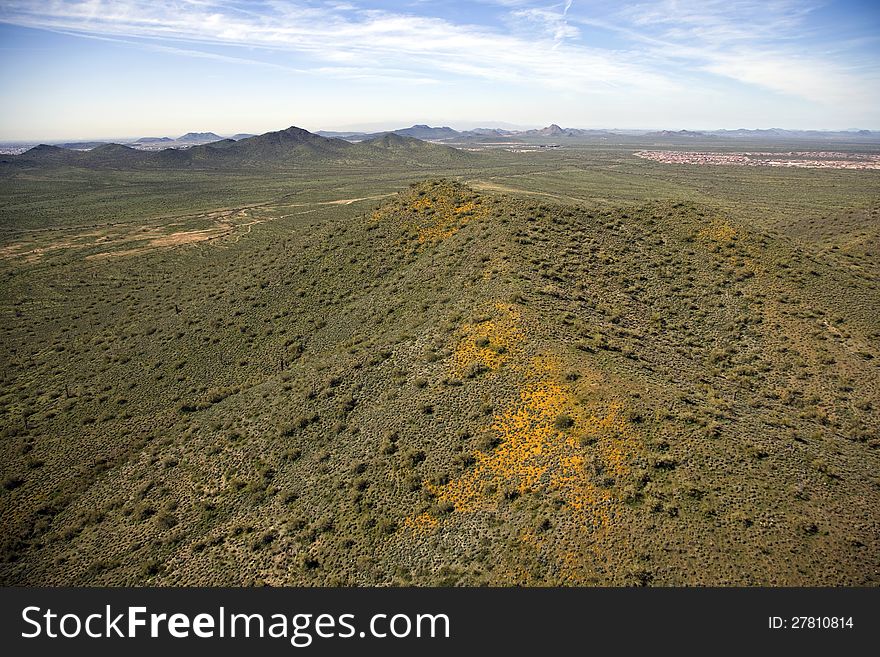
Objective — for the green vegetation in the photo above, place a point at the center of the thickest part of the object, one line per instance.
(568, 367)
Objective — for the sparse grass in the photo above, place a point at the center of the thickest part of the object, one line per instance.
(324, 397)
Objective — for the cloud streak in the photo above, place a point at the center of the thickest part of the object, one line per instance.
(340, 35)
(678, 54)
(766, 44)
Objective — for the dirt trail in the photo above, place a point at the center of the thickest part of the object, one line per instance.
(342, 201)
(172, 239)
(226, 222)
(349, 201)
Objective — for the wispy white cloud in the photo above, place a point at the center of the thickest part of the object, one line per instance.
(740, 19)
(341, 35)
(764, 44)
(552, 21)
(643, 55)
(157, 46)
(804, 77)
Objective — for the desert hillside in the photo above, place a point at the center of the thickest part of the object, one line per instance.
(442, 386)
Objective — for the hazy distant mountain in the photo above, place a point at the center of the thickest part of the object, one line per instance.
(489, 132)
(476, 136)
(687, 134)
(781, 133)
(551, 130)
(199, 137)
(556, 132)
(445, 133)
(82, 145)
(344, 134)
(427, 132)
(290, 147)
(184, 141)
(421, 131)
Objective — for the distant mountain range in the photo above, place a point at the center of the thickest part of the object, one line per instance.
(445, 135)
(556, 132)
(157, 143)
(155, 140)
(416, 132)
(184, 141)
(288, 147)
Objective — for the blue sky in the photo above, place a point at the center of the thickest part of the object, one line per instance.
(96, 68)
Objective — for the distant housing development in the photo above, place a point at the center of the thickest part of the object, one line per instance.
(801, 159)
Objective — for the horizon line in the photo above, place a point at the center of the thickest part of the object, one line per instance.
(488, 126)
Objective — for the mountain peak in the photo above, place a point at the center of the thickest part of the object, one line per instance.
(552, 130)
(44, 148)
(427, 132)
(200, 136)
(392, 139)
(295, 130)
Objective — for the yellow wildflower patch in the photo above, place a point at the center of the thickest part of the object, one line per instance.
(420, 204)
(717, 231)
(491, 342)
(421, 524)
(542, 434)
(433, 212)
